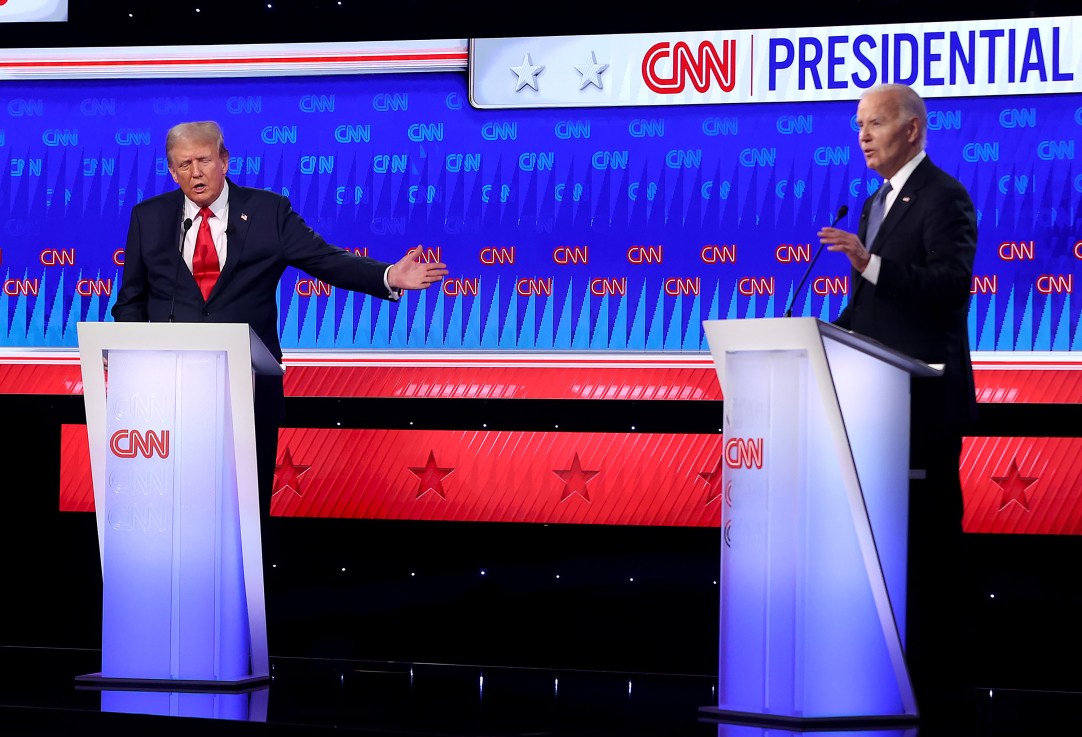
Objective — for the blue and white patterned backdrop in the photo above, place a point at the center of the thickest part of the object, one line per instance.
(586, 229)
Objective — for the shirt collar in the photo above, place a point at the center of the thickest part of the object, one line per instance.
(902, 175)
(218, 207)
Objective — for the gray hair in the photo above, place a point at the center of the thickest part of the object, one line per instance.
(910, 105)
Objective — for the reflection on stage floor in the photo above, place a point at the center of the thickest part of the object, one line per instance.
(40, 695)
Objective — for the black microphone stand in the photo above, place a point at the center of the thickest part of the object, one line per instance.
(789, 310)
(186, 225)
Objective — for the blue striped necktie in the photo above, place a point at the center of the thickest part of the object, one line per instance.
(875, 217)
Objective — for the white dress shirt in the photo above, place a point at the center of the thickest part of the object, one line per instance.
(871, 271)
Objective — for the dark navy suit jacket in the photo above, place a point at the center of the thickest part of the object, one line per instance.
(265, 236)
(920, 303)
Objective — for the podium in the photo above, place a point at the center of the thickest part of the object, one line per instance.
(814, 522)
(171, 426)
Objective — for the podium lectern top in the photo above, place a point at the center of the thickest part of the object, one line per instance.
(874, 348)
(178, 336)
(804, 333)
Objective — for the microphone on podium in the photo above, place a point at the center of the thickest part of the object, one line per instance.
(186, 225)
(789, 310)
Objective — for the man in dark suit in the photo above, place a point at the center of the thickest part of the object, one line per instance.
(910, 290)
(255, 235)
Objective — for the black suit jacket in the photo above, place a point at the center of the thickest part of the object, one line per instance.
(265, 236)
(920, 303)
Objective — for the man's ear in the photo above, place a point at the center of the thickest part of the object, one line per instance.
(174, 175)
(913, 130)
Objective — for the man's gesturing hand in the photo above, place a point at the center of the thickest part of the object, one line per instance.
(410, 273)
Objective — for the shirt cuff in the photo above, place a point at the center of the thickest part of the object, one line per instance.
(393, 294)
(871, 271)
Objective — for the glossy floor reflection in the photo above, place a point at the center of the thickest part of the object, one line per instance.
(40, 696)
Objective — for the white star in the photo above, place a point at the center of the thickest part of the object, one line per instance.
(527, 73)
(591, 72)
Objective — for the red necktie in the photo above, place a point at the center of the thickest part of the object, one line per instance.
(205, 267)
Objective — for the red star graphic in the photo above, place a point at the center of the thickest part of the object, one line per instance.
(713, 482)
(1014, 486)
(431, 477)
(287, 474)
(575, 480)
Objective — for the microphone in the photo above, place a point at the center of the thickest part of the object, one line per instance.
(841, 213)
(187, 225)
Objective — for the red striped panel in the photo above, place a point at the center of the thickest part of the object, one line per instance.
(1011, 485)
(41, 378)
(619, 478)
(503, 382)
(524, 378)
(322, 60)
(1023, 485)
(1052, 386)
(76, 482)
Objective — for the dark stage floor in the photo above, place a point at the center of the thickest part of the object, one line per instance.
(39, 696)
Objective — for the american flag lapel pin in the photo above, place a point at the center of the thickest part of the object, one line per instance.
(904, 199)
(244, 215)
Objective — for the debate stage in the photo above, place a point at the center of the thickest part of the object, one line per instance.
(39, 697)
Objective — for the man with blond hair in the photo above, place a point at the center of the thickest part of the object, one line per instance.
(213, 252)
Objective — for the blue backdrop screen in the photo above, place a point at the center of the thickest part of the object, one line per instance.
(585, 229)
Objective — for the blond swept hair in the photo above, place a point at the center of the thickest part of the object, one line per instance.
(200, 131)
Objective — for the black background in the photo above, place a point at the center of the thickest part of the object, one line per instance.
(414, 590)
(108, 23)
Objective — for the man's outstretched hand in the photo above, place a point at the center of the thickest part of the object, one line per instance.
(409, 273)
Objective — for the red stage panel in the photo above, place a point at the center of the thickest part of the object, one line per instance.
(1023, 485)
(581, 478)
(76, 484)
(504, 382)
(41, 376)
(1011, 485)
(460, 476)
(1028, 385)
(537, 376)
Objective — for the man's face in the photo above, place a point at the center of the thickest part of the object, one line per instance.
(199, 170)
(887, 139)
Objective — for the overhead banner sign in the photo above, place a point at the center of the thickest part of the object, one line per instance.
(33, 11)
(1028, 56)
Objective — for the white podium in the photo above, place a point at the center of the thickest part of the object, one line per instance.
(171, 426)
(814, 525)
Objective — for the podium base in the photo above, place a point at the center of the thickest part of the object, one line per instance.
(809, 724)
(96, 681)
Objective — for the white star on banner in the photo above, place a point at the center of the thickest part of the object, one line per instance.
(527, 73)
(591, 72)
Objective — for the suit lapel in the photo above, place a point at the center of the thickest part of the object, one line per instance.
(236, 233)
(173, 234)
(175, 225)
(862, 227)
(904, 203)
